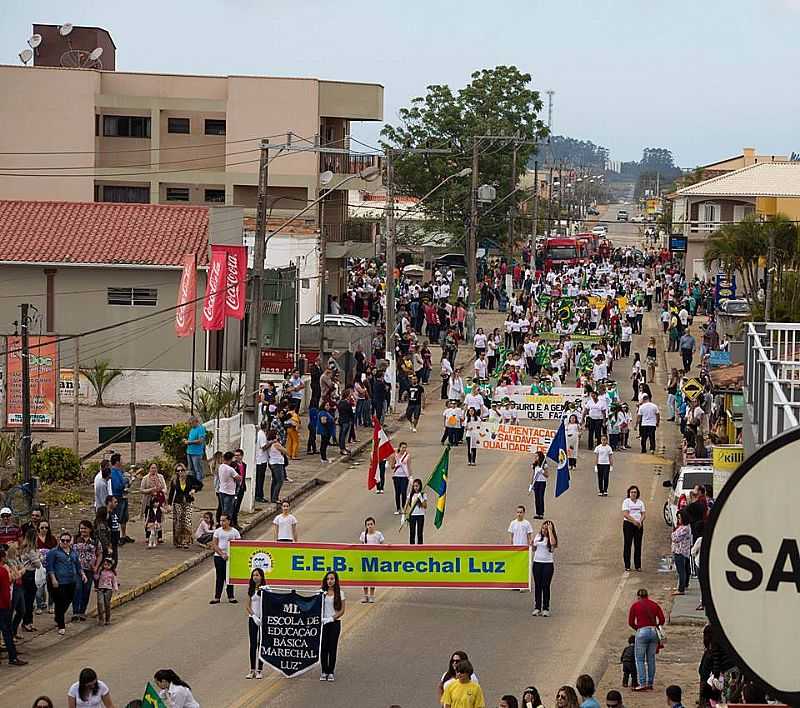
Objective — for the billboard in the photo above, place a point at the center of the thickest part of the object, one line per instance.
(44, 374)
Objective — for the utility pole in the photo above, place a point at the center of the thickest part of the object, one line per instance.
(25, 456)
(76, 389)
(535, 199)
(254, 335)
(560, 193)
(768, 276)
(391, 323)
(323, 276)
(550, 202)
(512, 204)
(472, 245)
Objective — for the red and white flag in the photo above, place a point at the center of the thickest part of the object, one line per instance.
(187, 293)
(382, 449)
(213, 316)
(236, 280)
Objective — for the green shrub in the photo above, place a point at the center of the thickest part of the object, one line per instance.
(8, 449)
(172, 437)
(54, 496)
(56, 464)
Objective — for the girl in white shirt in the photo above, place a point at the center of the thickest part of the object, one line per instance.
(257, 581)
(544, 543)
(174, 691)
(333, 606)
(539, 475)
(573, 430)
(471, 431)
(370, 535)
(480, 342)
(417, 503)
(401, 471)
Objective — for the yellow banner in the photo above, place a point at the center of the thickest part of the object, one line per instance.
(423, 566)
(726, 458)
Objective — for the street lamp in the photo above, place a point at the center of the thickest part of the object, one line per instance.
(368, 174)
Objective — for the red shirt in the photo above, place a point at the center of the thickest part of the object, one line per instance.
(9, 534)
(644, 613)
(5, 588)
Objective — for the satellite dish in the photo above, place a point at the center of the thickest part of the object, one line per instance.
(80, 59)
(35, 41)
(326, 177)
(95, 54)
(65, 29)
(25, 56)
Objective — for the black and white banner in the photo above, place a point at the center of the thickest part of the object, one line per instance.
(291, 631)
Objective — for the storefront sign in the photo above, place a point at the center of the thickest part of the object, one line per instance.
(750, 566)
(44, 382)
(428, 566)
(725, 459)
(276, 361)
(717, 357)
(291, 631)
(677, 243)
(66, 386)
(514, 438)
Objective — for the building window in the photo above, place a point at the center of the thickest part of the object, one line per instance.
(178, 125)
(96, 124)
(124, 195)
(215, 126)
(739, 212)
(177, 194)
(126, 127)
(133, 297)
(216, 196)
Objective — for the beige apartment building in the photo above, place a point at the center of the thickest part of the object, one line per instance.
(88, 134)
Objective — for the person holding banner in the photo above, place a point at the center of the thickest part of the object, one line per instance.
(370, 535)
(257, 581)
(333, 606)
(539, 475)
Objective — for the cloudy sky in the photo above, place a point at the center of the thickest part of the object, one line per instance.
(702, 77)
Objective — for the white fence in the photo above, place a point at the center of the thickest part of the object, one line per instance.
(227, 434)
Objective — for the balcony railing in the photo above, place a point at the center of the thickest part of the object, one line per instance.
(346, 164)
(772, 378)
(357, 232)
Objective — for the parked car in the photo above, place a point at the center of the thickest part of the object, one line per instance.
(339, 321)
(735, 308)
(622, 215)
(638, 219)
(600, 230)
(593, 211)
(687, 478)
(451, 260)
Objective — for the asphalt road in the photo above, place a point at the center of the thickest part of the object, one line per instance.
(395, 650)
(621, 233)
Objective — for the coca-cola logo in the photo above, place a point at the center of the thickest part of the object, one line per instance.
(183, 311)
(214, 276)
(232, 300)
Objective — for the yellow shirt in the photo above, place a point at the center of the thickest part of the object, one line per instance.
(463, 695)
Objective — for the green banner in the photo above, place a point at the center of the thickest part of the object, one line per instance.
(151, 697)
(358, 565)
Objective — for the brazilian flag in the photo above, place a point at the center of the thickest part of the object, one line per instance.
(543, 353)
(565, 312)
(438, 483)
(151, 698)
(585, 363)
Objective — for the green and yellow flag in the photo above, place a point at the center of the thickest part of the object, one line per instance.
(151, 698)
(438, 483)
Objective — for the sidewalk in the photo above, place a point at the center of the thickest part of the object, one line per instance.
(143, 569)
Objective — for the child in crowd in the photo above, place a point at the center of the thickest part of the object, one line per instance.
(153, 517)
(205, 529)
(628, 662)
(106, 585)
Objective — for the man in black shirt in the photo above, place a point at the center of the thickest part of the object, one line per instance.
(416, 399)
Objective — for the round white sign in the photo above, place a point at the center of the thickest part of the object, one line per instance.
(750, 564)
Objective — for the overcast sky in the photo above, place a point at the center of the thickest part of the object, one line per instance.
(701, 77)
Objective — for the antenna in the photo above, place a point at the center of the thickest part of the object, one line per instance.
(35, 41)
(550, 93)
(81, 59)
(95, 54)
(65, 29)
(25, 56)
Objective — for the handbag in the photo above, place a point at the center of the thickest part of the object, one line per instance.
(661, 634)
(40, 576)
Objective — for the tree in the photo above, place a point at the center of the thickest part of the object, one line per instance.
(211, 398)
(497, 101)
(100, 375)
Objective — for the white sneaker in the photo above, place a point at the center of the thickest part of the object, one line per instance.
(259, 675)
(535, 613)
(545, 613)
(250, 675)
(323, 677)
(397, 513)
(372, 599)
(330, 677)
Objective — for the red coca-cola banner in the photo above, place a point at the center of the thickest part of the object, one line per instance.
(187, 292)
(213, 316)
(236, 279)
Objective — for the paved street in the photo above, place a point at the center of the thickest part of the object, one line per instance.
(396, 649)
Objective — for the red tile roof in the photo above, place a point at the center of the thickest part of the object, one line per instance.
(87, 232)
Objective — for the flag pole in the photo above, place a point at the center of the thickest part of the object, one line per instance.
(194, 343)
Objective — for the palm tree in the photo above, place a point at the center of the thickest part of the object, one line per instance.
(100, 375)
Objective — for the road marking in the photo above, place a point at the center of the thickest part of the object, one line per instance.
(590, 647)
(653, 488)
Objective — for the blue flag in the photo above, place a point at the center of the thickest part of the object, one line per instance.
(558, 454)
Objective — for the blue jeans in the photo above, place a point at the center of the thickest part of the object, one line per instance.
(682, 568)
(645, 652)
(362, 412)
(344, 433)
(196, 466)
(82, 593)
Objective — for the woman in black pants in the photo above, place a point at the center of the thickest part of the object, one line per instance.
(417, 504)
(257, 581)
(401, 472)
(332, 611)
(539, 475)
(544, 543)
(633, 514)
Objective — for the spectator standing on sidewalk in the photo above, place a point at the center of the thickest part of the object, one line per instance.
(64, 571)
(6, 581)
(196, 447)
(228, 478)
(644, 617)
(181, 498)
(648, 418)
(681, 551)
(119, 489)
(674, 696)
(106, 584)
(262, 459)
(687, 346)
(585, 685)
(326, 427)
(89, 557)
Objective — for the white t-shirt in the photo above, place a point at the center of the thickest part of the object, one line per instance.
(224, 538)
(634, 508)
(261, 455)
(93, 699)
(374, 538)
(649, 413)
(596, 409)
(519, 531)
(418, 508)
(328, 610)
(603, 453)
(285, 526)
(473, 400)
(480, 368)
(480, 341)
(227, 481)
(541, 553)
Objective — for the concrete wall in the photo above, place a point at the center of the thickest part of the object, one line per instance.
(157, 387)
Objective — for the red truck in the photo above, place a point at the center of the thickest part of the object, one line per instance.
(564, 251)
